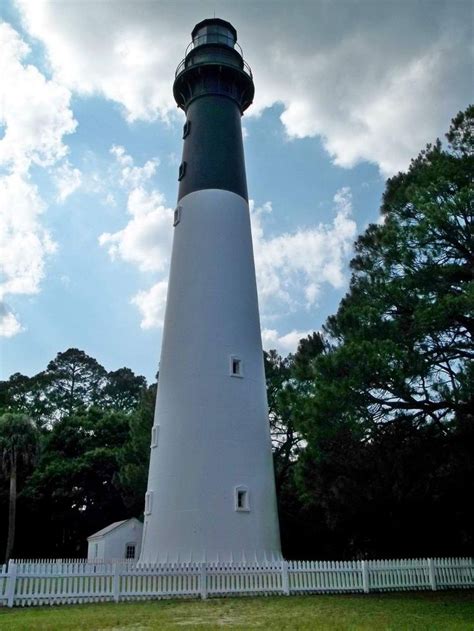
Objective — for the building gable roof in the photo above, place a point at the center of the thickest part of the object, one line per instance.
(110, 527)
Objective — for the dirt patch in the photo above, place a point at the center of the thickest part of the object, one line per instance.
(223, 621)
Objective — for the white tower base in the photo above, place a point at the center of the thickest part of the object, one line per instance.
(211, 494)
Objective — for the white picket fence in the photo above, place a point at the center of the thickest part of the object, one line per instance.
(58, 581)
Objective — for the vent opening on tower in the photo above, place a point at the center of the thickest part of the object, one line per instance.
(154, 435)
(176, 216)
(236, 366)
(182, 171)
(186, 129)
(241, 499)
(148, 502)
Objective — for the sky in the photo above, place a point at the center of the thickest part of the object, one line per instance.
(347, 92)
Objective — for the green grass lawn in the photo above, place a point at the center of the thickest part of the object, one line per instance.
(439, 611)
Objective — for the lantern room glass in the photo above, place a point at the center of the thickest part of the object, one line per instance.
(214, 34)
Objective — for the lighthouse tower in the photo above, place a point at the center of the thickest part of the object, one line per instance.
(211, 491)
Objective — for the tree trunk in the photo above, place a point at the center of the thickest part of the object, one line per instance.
(11, 514)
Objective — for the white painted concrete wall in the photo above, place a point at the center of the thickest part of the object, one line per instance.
(212, 429)
(113, 544)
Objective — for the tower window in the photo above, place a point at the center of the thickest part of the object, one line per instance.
(242, 499)
(236, 366)
(177, 216)
(130, 551)
(186, 128)
(148, 502)
(182, 171)
(155, 431)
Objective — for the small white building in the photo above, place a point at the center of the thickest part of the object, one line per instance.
(120, 540)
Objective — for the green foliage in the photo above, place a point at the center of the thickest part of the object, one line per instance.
(26, 395)
(87, 420)
(386, 409)
(288, 381)
(123, 390)
(134, 455)
(76, 481)
(279, 393)
(74, 381)
(402, 493)
(18, 449)
(18, 442)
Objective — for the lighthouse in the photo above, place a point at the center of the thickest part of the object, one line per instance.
(211, 490)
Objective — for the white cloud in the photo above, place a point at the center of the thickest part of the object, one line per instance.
(35, 115)
(292, 267)
(127, 53)
(374, 81)
(131, 175)
(34, 111)
(151, 304)
(9, 323)
(376, 84)
(367, 132)
(284, 344)
(67, 179)
(24, 243)
(146, 239)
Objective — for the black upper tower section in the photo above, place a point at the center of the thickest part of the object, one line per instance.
(213, 85)
(213, 64)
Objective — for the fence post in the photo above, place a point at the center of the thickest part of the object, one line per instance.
(203, 581)
(432, 574)
(116, 582)
(365, 577)
(11, 583)
(285, 583)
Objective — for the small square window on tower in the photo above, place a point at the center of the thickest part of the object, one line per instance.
(236, 366)
(148, 502)
(176, 216)
(241, 499)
